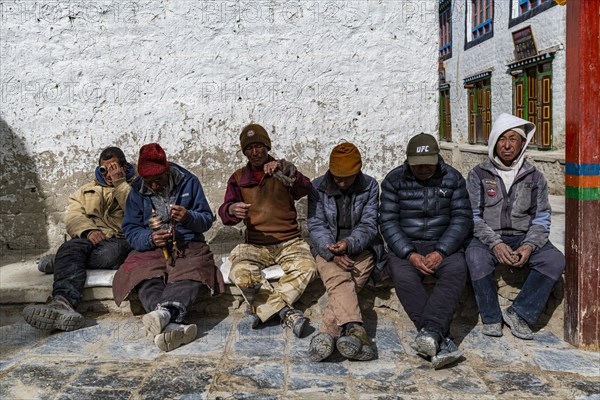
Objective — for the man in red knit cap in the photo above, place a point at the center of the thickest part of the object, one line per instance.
(166, 216)
(262, 195)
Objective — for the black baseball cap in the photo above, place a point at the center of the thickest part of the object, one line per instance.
(422, 149)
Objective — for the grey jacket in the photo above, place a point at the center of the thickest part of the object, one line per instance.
(524, 210)
(322, 218)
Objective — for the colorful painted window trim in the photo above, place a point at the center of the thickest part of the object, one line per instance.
(445, 29)
(482, 16)
(528, 5)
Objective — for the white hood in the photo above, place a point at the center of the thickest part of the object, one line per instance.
(502, 124)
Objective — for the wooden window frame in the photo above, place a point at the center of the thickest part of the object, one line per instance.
(536, 108)
(479, 108)
(445, 130)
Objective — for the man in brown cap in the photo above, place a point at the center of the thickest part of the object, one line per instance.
(262, 195)
(166, 216)
(425, 217)
(342, 221)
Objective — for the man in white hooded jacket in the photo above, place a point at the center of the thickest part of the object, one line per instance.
(511, 216)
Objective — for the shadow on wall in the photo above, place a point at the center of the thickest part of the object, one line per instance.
(22, 207)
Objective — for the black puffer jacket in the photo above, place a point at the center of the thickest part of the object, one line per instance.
(437, 209)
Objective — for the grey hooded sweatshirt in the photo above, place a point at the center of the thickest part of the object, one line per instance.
(509, 200)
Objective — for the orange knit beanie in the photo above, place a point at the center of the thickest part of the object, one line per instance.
(345, 160)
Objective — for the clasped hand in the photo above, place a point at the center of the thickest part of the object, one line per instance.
(517, 258)
(426, 264)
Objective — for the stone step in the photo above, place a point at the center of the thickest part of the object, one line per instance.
(22, 283)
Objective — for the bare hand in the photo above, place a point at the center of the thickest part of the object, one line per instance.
(239, 210)
(433, 260)
(418, 261)
(178, 213)
(161, 237)
(96, 237)
(344, 262)
(338, 248)
(523, 252)
(504, 254)
(115, 172)
(271, 167)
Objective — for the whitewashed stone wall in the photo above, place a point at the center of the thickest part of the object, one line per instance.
(77, 76)
(549, 31)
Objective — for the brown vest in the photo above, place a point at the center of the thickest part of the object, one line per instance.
(272, 216)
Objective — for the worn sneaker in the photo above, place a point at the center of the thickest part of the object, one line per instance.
(427, 342)
(494, 329)
(46, 264)
(448, 354)
(175, 335)
(56, 313)
(251, 319)
(155, 321)
(518, 326)
(295, 320)
(321, 347)
(356, 344)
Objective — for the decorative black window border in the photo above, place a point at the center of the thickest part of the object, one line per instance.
(531, 13)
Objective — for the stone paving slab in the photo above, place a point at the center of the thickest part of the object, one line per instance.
(111, 358)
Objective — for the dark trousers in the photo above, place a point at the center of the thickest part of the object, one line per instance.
(434, 312)
(547, 265)
(76, 256)
(176, 296)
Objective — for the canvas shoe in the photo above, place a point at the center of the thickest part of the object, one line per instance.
(175, 335)
(155, 321)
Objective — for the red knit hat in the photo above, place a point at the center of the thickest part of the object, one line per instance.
(152, 160)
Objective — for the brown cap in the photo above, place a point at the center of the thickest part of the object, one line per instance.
(345, 160)
(254, 133)
(422, 149)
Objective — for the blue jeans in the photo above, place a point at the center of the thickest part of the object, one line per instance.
(76, 256)
(547, 265)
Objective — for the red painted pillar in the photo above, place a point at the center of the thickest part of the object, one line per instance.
(582, 192)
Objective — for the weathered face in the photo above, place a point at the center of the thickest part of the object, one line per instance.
(508, 147)
(345, 182)
(157, 182)
(423, 171)
(257, 155)
(105, 164)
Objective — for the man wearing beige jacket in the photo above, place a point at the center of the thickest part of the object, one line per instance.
(93, 221)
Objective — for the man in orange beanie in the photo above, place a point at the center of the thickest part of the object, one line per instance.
(262, 195)
(165, 218)
(342, 221)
